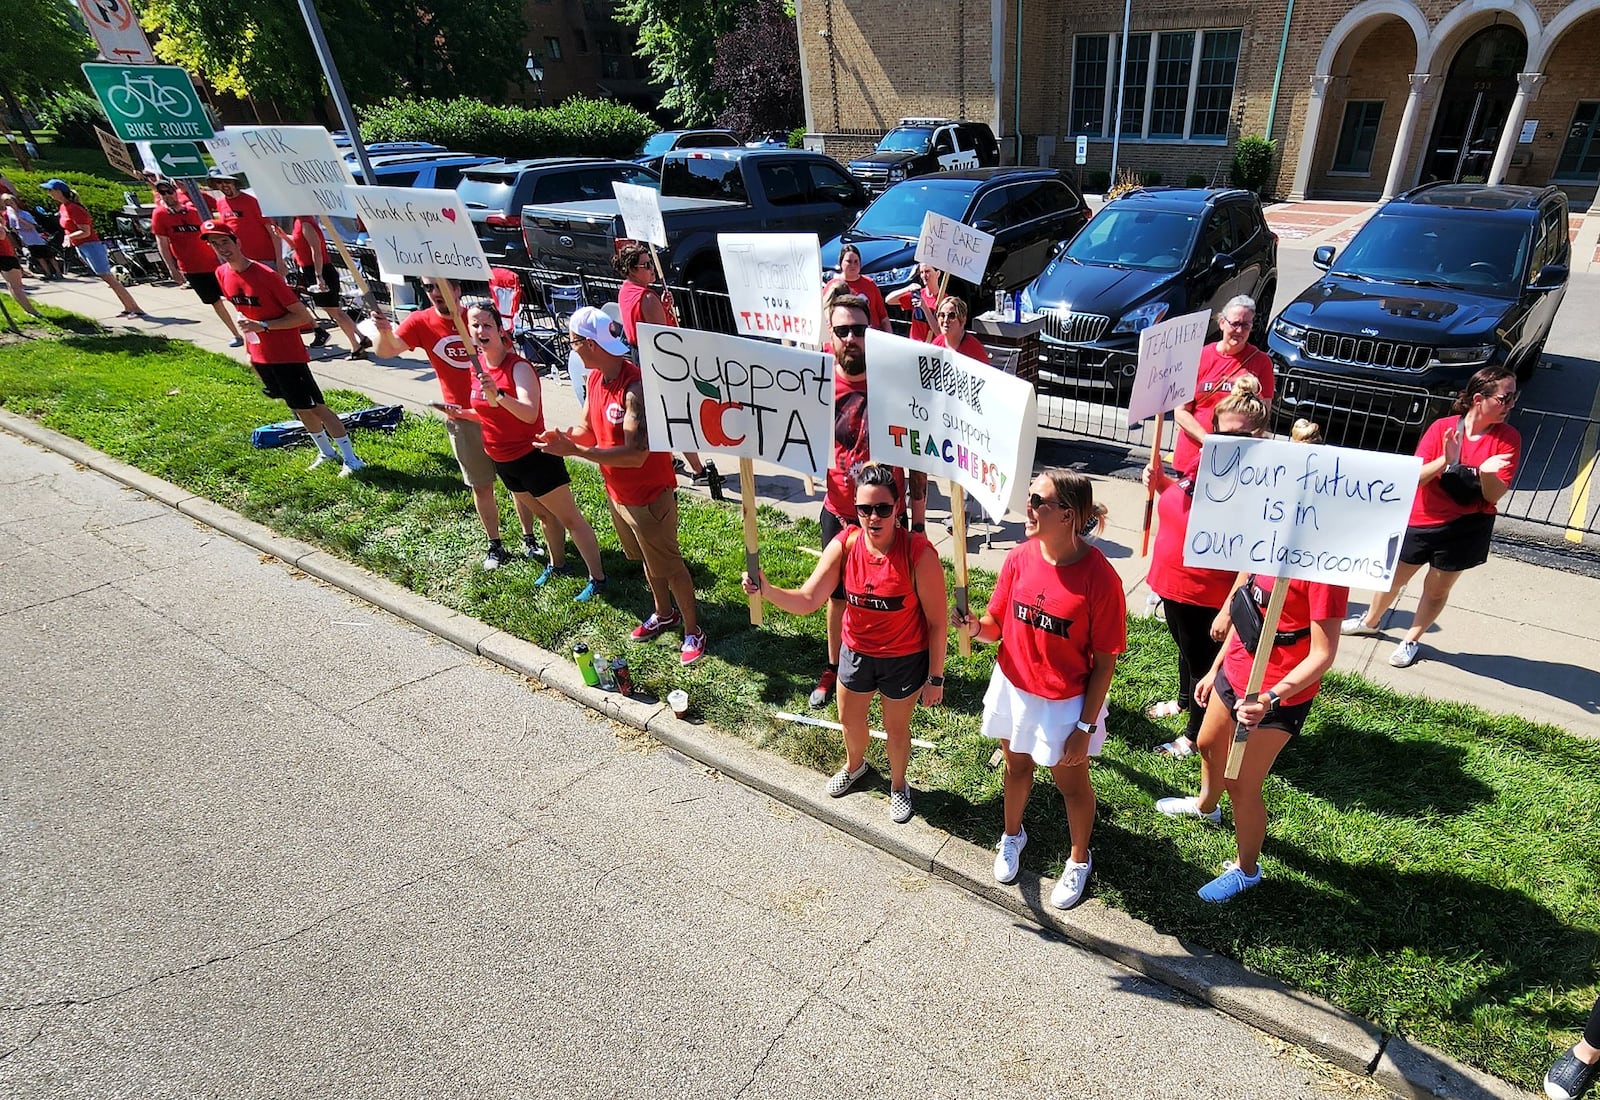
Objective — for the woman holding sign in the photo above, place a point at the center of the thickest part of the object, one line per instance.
(1060, 617)
(1220, 363)
(894, 627)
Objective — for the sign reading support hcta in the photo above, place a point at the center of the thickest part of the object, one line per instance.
(149, 102)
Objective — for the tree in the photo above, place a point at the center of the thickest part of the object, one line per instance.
(679, 39)
(757, 72)
(41, 46)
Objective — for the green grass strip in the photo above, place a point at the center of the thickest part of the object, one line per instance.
(1430, 866)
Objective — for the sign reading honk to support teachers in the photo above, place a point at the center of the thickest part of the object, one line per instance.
(420, 232)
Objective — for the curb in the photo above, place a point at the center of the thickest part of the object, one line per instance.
(1405, 1068)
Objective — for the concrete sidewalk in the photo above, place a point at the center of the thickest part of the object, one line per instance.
(1516, 638)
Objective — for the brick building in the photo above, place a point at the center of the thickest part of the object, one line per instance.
(1364, 99)
(583, 49)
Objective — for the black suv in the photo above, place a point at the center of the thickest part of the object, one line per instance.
(919, 146)
(1441, 281)
(1148, 255)
(495, 194)
(1030, 212)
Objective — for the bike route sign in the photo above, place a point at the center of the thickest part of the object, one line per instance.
(149, 102)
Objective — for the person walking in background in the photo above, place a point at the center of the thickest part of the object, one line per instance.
(41, 252)
(851, 281)
(79, 229)
(190, 260)
(640, 485)
(894, 628)
(271, 317)
(1060, 617)
(240, 211)
(317, 275)
(1220, 363)
(11, 270)
(1468, 463)
(1574, 1072)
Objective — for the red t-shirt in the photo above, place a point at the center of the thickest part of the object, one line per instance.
(1055, 618)
(607, 406)
(242, 213)
(1433, 505)
(877, 312)
(506, 436)
(436, 334)
(259, 293)
(1307, 602)
(181, 228)
(882, 615)
(1212, 386)
(5, 244)
(1169, 578)
(971, 347)
(74, 217)
(630, 301)
(924, 304)
(850, 443)
(301, 243)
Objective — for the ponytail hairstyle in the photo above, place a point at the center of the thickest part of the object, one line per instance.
(1245, 401)
(1482, 384)
(1076, 491)
(1306, 431)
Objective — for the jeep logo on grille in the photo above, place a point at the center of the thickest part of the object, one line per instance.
(1369, 332)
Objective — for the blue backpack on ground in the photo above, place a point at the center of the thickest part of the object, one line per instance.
(288, 432)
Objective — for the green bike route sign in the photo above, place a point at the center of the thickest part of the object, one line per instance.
(149, 102)
(178, 159)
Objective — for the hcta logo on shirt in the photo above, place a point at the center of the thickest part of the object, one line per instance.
(615, 412)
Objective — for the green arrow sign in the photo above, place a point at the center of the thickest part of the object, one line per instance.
(179, 159)
(149, 102)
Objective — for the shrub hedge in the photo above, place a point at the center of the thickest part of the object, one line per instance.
(1252, 162)
(73, 115)
(100, 196)
(576, 127)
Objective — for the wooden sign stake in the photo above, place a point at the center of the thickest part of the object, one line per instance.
(1258, 672)
(958, 531)
(752, 550)
(1150, 493)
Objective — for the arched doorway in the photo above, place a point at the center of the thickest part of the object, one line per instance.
(1474, 103)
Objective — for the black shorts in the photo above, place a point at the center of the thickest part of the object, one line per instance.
(893, 677)
(290, 383)
(10, 263)
(42, 251)
(831, 526)
(538, 472)
(307, 281)
(1289, 719)
(205, 286)
(1463, 543)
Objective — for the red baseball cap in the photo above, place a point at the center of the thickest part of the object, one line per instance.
(212, 228)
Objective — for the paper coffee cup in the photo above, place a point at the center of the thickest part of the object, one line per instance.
(679, 702)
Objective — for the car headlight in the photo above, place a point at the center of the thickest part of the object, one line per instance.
(893, 277)
(1474, 356)
(1288, 331)
(1137, 320)
(897, 173)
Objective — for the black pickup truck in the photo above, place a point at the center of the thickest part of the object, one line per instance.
(703, 192)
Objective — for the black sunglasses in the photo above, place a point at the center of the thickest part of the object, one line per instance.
(841, 331)
(1039, 504)
(882, 511)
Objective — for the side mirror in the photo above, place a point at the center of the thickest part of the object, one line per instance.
(1224, 264)
(987, 225)
(1323, 256)
(1550, 277)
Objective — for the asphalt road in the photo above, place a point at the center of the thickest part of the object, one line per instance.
(263, 841)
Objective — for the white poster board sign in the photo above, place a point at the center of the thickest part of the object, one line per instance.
(221, 150)
(948, 416)
(420, 231)
(1169, 363)
(955, 248)
(710, 392)
(772, 284)
(1318, 513)
(641, 213)
(293, 170)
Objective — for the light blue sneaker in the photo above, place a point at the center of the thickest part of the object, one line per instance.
(1230, 884)
(590, 590)
(548, 572)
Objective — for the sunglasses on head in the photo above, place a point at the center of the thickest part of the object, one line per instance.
(841, 331)
(882, 511)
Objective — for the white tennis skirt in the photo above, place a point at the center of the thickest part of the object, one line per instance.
(1033, 724)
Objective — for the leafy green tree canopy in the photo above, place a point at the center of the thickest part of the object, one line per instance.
(679, 39)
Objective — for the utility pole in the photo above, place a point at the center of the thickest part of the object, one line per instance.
(347, 115)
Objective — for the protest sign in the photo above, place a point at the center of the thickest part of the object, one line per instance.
(773, 284)
(932, 410)
(706, 391)
(1317, 513)
(1169, 361)
(293, 170)
(641, 213)
(221, 149)
(420, 231)
(954, 248)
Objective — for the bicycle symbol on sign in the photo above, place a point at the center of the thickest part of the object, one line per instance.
(133, 95)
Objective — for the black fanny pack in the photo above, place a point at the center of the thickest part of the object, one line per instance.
(1248, 617)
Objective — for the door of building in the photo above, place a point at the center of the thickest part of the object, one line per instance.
(1474, 103)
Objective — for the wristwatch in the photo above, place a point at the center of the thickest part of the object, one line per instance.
(1271, 698)
(936, 681)
(1089, 727)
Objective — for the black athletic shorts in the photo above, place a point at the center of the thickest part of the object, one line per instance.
(10, 263)
(1463, 543)
(307, 281)
(538, 472)
(205, 286)
(1282, 717)
(42, 251)
(831, 526)
(893, 677)
(290, 383)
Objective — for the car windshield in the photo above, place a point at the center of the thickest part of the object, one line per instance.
(1486, 255)
(899, 210)
(1125, 236)
(656, 144)
(905, 139)
(485, 192)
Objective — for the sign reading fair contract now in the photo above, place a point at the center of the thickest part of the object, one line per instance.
(1315, 513)
(293, 170)
(420, 231)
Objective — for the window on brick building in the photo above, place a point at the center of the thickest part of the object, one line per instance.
(1213, 89)
(1580, 155)
(552, 48)
(1179, 84)
(1091, 68)
(1169, 98)
(1134, 75)
(1357, 136)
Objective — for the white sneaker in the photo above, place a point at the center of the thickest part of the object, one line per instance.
(1074, 877)
(351, 466)
(1404, 655)
(322, 460)
(1008, 863)
(1356, 627)
(1187, 807)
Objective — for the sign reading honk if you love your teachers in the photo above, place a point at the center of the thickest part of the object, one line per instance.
(420, 232)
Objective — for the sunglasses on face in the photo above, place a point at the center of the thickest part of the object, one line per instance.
(949, 316)
(643, 262)
(882, 511)
(1506, 399)
(1039, 503)
(841, 331)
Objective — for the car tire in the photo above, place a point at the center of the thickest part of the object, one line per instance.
(1263, 317)
(1529, 362)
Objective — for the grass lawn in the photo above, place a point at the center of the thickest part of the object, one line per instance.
(1431, 867)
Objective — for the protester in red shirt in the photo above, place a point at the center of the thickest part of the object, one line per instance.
(952, 321)
(851, 281)
(189, 259)
(1193, 600)
(921, 298)
(1060, 617)
(640, 485)
(240, 211)
(1468, 463)
(11, 269)
(1220, 364)
(318, 275)
(272, 316)
(895, 625)
(79, 229)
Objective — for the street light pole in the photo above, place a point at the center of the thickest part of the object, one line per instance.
(535, 69)
(1122, 79)
(347, 115)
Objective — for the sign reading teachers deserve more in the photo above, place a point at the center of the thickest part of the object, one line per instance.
(1169, 363)
(1316, 513)
(293, 170)
(772, 284)
(422, 232)
(932, 410)
(955, 248)
(706, 391)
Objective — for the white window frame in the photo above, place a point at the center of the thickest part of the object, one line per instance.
(1108, 108)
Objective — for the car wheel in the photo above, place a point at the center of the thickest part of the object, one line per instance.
(1263, 321)
(1529, 362)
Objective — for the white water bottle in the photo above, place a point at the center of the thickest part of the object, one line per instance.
(1152, 603)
